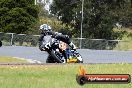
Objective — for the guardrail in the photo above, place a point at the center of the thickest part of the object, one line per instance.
(103, 44)
(9, 39)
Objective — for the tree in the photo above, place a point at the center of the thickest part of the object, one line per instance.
(131, 3)
(17, 16)
(99, 15)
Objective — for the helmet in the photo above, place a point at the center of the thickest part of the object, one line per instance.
(44, 27)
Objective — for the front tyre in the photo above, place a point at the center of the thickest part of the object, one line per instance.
(50, 59)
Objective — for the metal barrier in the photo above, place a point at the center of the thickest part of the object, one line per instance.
(103, 44)
(9, 39)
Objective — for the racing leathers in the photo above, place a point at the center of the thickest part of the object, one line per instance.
(46, 38)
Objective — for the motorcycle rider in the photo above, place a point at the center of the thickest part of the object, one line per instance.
(47, 32)
(45, 35)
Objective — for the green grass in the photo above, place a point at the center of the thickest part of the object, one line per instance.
(4, 59)
(126, 43)
(58, 76)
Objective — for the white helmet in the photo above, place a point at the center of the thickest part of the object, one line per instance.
(44, 27)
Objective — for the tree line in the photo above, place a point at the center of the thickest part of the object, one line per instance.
(100, 16)
(17, 16)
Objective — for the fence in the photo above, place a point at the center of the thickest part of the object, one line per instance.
(103, 44)
(9, 39)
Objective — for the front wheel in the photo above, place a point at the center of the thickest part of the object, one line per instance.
(50, 59)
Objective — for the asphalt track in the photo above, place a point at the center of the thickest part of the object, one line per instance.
(89, 56)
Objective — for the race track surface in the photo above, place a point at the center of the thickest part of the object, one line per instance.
(89, 56)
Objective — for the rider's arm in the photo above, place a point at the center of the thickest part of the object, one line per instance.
(41, 36)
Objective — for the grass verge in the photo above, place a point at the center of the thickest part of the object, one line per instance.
(4, 59)
(58, 76)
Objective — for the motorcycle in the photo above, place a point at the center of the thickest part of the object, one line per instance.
(60, 52)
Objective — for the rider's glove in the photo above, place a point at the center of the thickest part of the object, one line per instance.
(47, 46)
